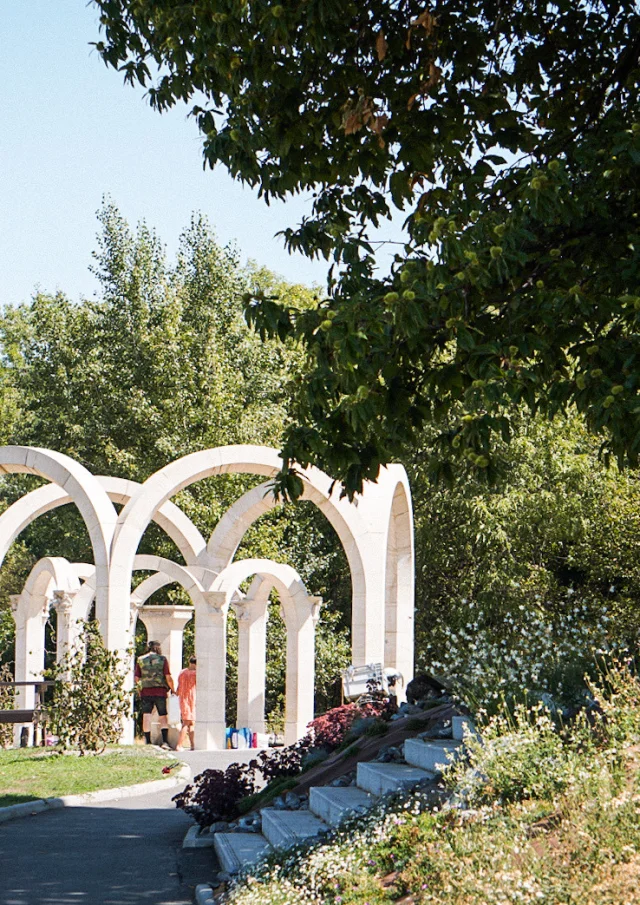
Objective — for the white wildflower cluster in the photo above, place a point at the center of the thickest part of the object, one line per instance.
(314, 874)
(531, 650)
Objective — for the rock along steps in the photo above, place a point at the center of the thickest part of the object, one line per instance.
(330, 805)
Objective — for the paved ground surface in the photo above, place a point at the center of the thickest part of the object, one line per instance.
(116, 853)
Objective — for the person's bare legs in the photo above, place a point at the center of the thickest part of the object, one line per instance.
(192, 734)
(184, 729)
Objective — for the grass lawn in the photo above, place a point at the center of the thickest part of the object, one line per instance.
(27, 774)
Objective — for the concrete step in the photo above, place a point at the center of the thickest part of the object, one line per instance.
(284, 828)
(430, 755)
(333, 804)
(195, 839)
(238, 850)
(380, 779)
(461, 726)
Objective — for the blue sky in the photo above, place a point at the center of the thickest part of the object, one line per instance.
(71, 132)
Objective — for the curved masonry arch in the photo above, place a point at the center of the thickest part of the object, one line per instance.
(31, 506)
(356, 536)
(376, 533)
(52, 580)
(300, 613)
(400, 584)
(93, 503)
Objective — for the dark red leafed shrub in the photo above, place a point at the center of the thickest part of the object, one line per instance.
(214, 794)
(330, 729)
(282, 762)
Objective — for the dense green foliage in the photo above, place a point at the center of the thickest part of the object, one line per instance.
(507, 133)
(159, 364)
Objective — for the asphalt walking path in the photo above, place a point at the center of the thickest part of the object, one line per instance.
(125, 852)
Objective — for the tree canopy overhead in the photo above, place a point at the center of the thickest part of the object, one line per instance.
(507, 132)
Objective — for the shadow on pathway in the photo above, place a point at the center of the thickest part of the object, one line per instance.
(124, 852)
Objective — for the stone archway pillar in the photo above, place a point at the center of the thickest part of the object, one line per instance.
(300, 618)
(252, 649)
(211, 653)
(165, 624)
(29, 652)
(69, 616)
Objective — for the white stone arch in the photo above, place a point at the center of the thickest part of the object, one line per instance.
(354, 533)
(400, 584)
(32, 505)
(300, 612)
(191, 578)
(50, 576)
(93, 504)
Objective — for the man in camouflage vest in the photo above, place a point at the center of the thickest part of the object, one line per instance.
(154, 682)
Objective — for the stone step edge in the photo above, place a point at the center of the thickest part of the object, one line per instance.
(223, 843)
(291, 837)
(358, 810)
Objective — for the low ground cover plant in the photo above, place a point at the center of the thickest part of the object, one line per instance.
(542, 813)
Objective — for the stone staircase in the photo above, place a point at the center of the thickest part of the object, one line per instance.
(330, 805)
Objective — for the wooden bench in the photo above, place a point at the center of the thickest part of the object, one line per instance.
(36, 715)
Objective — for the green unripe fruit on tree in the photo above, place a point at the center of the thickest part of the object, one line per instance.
(575, 290)
(451, 322)
(554, 166)
(456, 442)
(405, 276)
(617, 389)
(597, 372)
(555, 253)
(391, 297)
(452, 227)
(331, 315)
(635, 128)
(500, 229)
(234, 135)
(592, 349)
(495, 251)
(537, 183)
(471, 256)
(478, 384)
(409, 295)
(473, 216)
(581, 381)
(608, 402)
(513, 350)
(481, 461)
(235, 63)
(540, 284)
(325, 325)
(277, 11)
(468, 419)
(460, 276)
